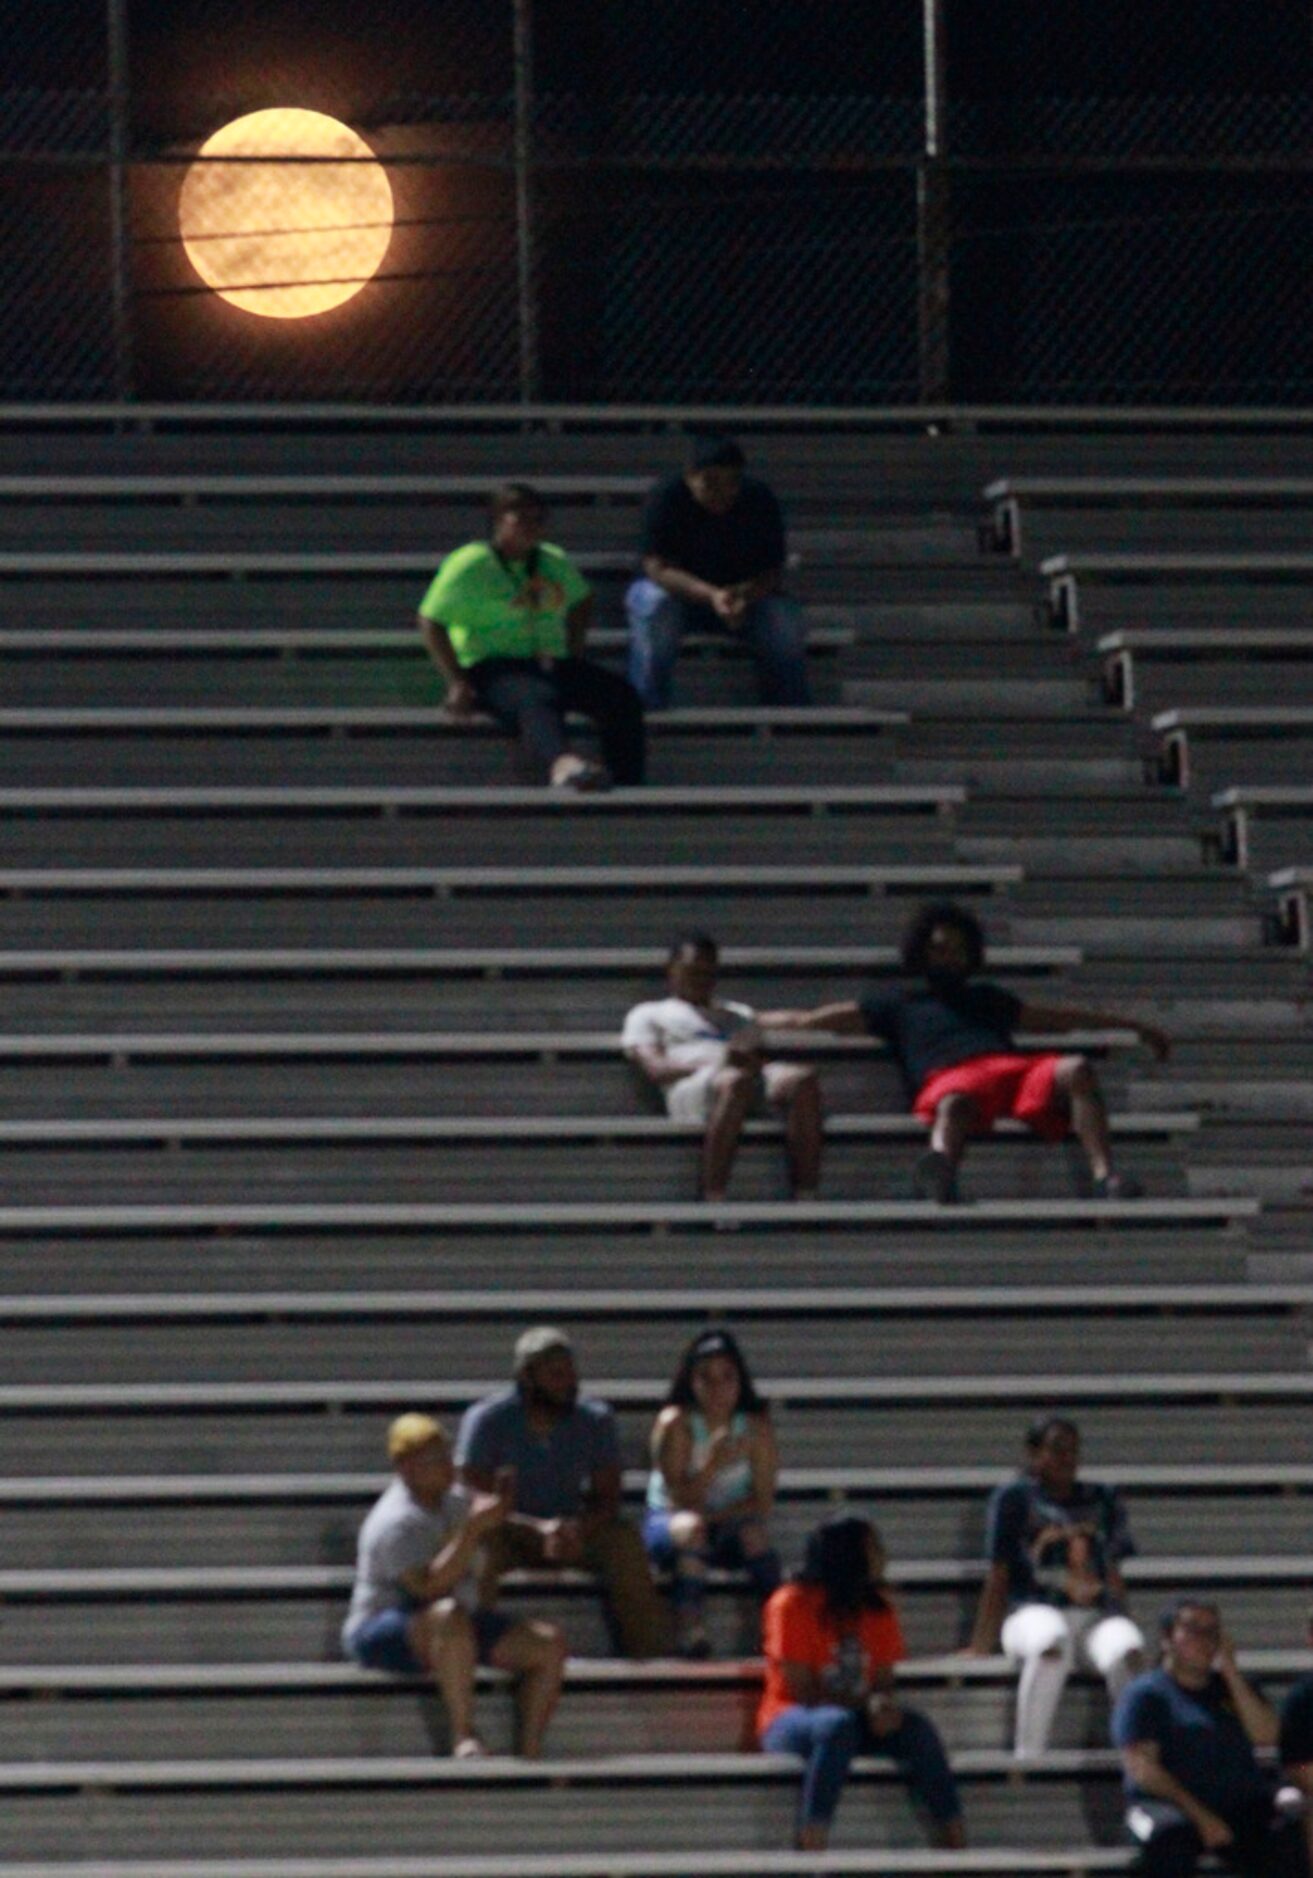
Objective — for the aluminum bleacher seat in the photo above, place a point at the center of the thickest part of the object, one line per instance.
(1031, 517)
(1150, 668)
(237, 1126)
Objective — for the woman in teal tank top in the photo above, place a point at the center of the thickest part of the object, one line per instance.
(712, 1485)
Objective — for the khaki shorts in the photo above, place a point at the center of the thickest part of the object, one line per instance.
(689, 1099)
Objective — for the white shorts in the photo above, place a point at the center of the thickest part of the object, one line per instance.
(689, 1099)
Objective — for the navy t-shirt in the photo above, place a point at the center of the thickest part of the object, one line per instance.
(722, 549)
(553, 1471)
(1297, 1725)
(930, 1030)
(1200, 1737)
(1019, 1513)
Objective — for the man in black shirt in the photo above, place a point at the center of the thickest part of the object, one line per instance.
(953, 1039)
(713, 561)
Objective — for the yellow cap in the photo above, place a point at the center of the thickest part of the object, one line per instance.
(412, 1431)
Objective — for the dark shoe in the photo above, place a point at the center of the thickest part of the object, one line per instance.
(935, 1178)
(1118, 1187)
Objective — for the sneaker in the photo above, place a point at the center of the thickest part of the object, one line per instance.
(469, 1748)
(935, 1178)
(1118, 1187)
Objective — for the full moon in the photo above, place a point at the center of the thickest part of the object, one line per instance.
(279, 237)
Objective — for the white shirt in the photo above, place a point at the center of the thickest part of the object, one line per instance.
(399, 1536)
(693, 1035)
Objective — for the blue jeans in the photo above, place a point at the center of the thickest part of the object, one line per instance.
(688, 1565)
(828, 1738)
(771, 628)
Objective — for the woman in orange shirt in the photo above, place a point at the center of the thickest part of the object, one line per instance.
(831, 1640)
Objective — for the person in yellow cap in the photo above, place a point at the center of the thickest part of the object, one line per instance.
(415, 1608)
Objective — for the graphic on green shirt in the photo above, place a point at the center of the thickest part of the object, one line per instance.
(493, 608)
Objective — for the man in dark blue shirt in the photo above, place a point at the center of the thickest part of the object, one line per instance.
(1187, 1733)
(1053, 1593)
(1296, 1745)
(952, 1036)
(713, 561)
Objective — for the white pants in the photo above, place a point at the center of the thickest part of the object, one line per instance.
(1047, 1643)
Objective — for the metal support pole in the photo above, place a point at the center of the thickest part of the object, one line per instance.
(934, 232)
(116, 25)
(524, 215)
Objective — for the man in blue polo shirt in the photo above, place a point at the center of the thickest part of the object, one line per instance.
(562, 1453)
(1187, 1733)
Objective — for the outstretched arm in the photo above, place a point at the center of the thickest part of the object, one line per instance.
(841, 1020)
(1072, 1017)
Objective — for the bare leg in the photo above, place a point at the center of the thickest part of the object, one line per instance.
(535, 1652)
(1089, 1118)
(957, 1119)
(731, 1097)
(796, 1089)
(442, 1637)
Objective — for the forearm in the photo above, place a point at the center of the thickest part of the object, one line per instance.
(658, 1068)
(439, 648)
(1153, 1779)
(990, 1613)
(1258, 1720)
(449, 1566)
(838, 1019)
(678, 582)
(760, 587)
(578, 624)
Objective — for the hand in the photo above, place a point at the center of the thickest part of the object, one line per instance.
(487, 1511)
(883, 1714)
(1214, 1832)
(1224, 1660)
(1157, 1040)
(744, 1049)
(460, 700)
(725, 1448)
(727, 605)
(563, 1541)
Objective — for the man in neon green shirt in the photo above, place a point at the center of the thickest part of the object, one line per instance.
(505, 622)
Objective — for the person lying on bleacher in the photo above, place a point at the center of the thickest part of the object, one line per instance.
(831, 1638)
(561, 1453)
(953, 1038)
(505, 621)
(713, 561)
(712, 1485)
(1053, 1591)
(708, 1062)
(1296, 1743)
(1187, 1733)
(415, 1608)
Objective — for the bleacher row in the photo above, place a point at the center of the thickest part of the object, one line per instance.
(310, 1100)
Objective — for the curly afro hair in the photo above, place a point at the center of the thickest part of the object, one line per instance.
(942, 913)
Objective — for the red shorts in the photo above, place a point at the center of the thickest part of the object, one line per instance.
(1020, 1086)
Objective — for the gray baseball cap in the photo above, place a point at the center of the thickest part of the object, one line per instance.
(539, 1341)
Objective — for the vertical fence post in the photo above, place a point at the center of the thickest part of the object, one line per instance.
(934, 216)
(524, 216)
(116, 27)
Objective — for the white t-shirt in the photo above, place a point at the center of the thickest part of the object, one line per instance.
(695, 1035)
(398, 1536)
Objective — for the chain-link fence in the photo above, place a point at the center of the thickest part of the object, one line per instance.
(857, 202)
